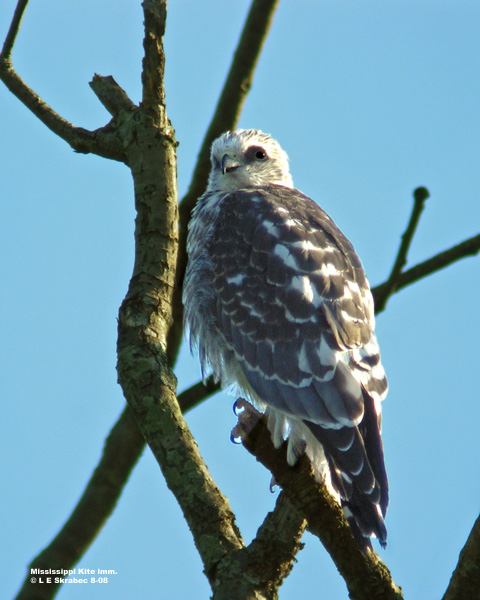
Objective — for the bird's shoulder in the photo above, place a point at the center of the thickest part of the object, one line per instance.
(290, 215)
(275, 246)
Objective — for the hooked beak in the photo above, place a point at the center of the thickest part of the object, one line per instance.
(229, 163)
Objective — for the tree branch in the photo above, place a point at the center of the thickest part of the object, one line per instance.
(272, 553)
(145, 315)
(111, 95)
(121, 451)
(465, 581)
(143, 376)
(13, 29)
(420, 195)
(367, 578)
(103, 141)
(227, 112)
(469, 247)
(155, 15)
(259, 570)
(234, 93)
(197, 393)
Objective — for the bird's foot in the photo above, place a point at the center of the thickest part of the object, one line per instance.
(248, 417)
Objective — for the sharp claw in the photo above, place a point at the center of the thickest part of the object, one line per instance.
(240, 405)
(248, 417)
(235, 439)
(273, 484)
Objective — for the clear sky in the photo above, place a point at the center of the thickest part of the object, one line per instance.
(370, 101)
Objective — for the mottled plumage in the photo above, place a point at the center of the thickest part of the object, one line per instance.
(277, 302)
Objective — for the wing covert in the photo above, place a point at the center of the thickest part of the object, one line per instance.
(292, 298)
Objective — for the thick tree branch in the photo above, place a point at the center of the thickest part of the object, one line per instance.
(122, 449)
(227, 112)
(143, 374)
(258, 571)
(420, 195)
(272, 553)
(465, 581)
(155, 13)
(367, 578)
(146, 314)
(469, 247)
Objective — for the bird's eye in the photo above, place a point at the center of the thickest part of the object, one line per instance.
(255, 153)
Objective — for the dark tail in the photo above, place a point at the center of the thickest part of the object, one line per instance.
(355, 457)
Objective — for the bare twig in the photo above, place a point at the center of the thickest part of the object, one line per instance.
(469, 247)
(367, 578)
(13, 29)
(420, 195)
(465, 581)
(227, 112)
(197, 393)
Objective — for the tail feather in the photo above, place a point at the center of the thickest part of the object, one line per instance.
(357, 470)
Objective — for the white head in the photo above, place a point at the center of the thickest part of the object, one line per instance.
(246, 158)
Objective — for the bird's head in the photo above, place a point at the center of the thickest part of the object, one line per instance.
(247, 158)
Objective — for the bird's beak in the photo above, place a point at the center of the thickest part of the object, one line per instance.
(229, 163)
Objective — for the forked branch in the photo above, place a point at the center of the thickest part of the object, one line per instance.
(112, 473)
(155, 405)
(258, 570)
(104, 141)
(367, 578)
(469, 247)
(420, 195)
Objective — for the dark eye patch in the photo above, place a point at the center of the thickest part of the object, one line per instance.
(255, 153)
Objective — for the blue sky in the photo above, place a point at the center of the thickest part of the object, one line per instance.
(369, 101)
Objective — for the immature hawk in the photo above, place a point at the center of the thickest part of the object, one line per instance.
(277, 302)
